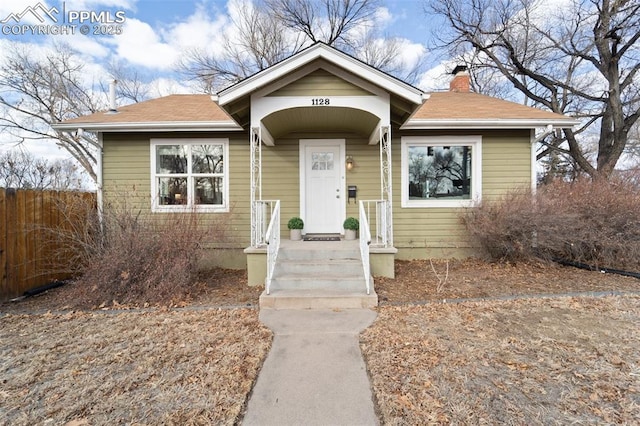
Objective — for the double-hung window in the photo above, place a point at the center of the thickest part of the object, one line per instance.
(189, 175)
(443, 171)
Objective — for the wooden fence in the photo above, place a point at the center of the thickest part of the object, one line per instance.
(30, 252)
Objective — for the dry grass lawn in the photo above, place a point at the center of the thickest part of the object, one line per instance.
(543, 361)
(558, 360)
(182, 367)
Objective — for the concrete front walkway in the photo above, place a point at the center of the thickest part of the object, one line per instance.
(314, 373)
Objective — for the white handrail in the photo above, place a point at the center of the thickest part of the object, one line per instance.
(365, 240)
(272, 238)
(378, 220)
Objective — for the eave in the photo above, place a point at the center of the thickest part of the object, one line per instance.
(171, 126)
(423, 124)
(320, 50)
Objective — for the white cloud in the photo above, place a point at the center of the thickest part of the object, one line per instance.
(437, 78)
(96, 5)
(198, 30)
(140, 44)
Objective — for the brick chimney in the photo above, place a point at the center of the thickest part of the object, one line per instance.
(460, 82)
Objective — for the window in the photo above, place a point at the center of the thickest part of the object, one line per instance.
(189, 174)
(442, 171)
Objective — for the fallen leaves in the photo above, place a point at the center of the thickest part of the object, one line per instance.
(172, 367)
(561, 361)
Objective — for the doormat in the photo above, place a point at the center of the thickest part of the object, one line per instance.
(320, 238)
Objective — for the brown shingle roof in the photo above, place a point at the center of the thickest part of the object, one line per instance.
(469, 106)
(173, 109)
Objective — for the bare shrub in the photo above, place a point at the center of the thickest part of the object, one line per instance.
(504, 228)
(593, 222)
(135, 258)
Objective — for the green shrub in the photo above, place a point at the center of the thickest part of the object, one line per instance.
(295, 223)
(351, 223)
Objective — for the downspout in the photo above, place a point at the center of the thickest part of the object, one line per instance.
(534, 176)
(99, 145)
(534, 140)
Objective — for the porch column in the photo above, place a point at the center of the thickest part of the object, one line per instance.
(255, 159)
(386, 189)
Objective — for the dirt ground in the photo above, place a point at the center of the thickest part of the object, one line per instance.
(415, 282)
(189, 367)
(537, 361)
(419, 281)
(544, 361)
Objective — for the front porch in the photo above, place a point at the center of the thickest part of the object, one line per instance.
(320, 274)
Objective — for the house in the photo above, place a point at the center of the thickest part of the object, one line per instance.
(323, 136)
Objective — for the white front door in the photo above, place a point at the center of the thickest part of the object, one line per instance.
(322, 179)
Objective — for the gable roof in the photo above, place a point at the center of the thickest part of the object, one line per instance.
(473, 110)
(173, 112)
(330, 54)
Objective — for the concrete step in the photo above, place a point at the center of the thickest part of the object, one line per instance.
(317, 299)
(315, 268)
(319, 255)
(325, 281)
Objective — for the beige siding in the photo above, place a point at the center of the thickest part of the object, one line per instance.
(127, 178)
(320, 83)
(281, 175)
(420, 232)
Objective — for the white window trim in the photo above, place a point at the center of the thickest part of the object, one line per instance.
(189, 207)
(475, 141)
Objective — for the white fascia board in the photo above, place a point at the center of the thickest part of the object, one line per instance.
(358, 68)
(487, 124)
(195, 126)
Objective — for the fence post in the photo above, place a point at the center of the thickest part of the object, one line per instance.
(3, 246)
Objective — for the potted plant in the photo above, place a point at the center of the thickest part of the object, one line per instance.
(295, 226)
(351, 226)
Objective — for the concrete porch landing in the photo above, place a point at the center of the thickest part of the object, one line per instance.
(319, 275)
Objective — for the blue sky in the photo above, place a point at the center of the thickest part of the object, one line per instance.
(153, 35)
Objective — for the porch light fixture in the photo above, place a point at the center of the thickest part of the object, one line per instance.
(349, 162)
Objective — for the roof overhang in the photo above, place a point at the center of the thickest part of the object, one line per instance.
(170, 126)
(334, 56)
(422, 124)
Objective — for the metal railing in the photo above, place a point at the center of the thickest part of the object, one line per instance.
(365, 240)
(261, 215)
(378, 221)
(272, 238)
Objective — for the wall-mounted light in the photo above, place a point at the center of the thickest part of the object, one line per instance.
(349, 162)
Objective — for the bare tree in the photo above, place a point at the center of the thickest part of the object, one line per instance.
(256, 41)
(329, 21)
(130, 86)
(266, 32)
(582, 60)
(38, 92)
(19, 169)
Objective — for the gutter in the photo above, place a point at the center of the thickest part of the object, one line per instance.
(160, 126)
(422, 124)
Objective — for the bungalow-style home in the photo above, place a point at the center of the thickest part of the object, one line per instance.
(322, 136)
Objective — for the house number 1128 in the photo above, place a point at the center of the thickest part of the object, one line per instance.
(319, 101)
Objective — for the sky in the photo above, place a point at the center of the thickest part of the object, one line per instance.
(150, 37)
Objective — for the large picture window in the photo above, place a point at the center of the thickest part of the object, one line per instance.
(441, 171)
(189, 174)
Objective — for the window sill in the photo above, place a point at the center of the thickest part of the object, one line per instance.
(439, 204)
(189, 209)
